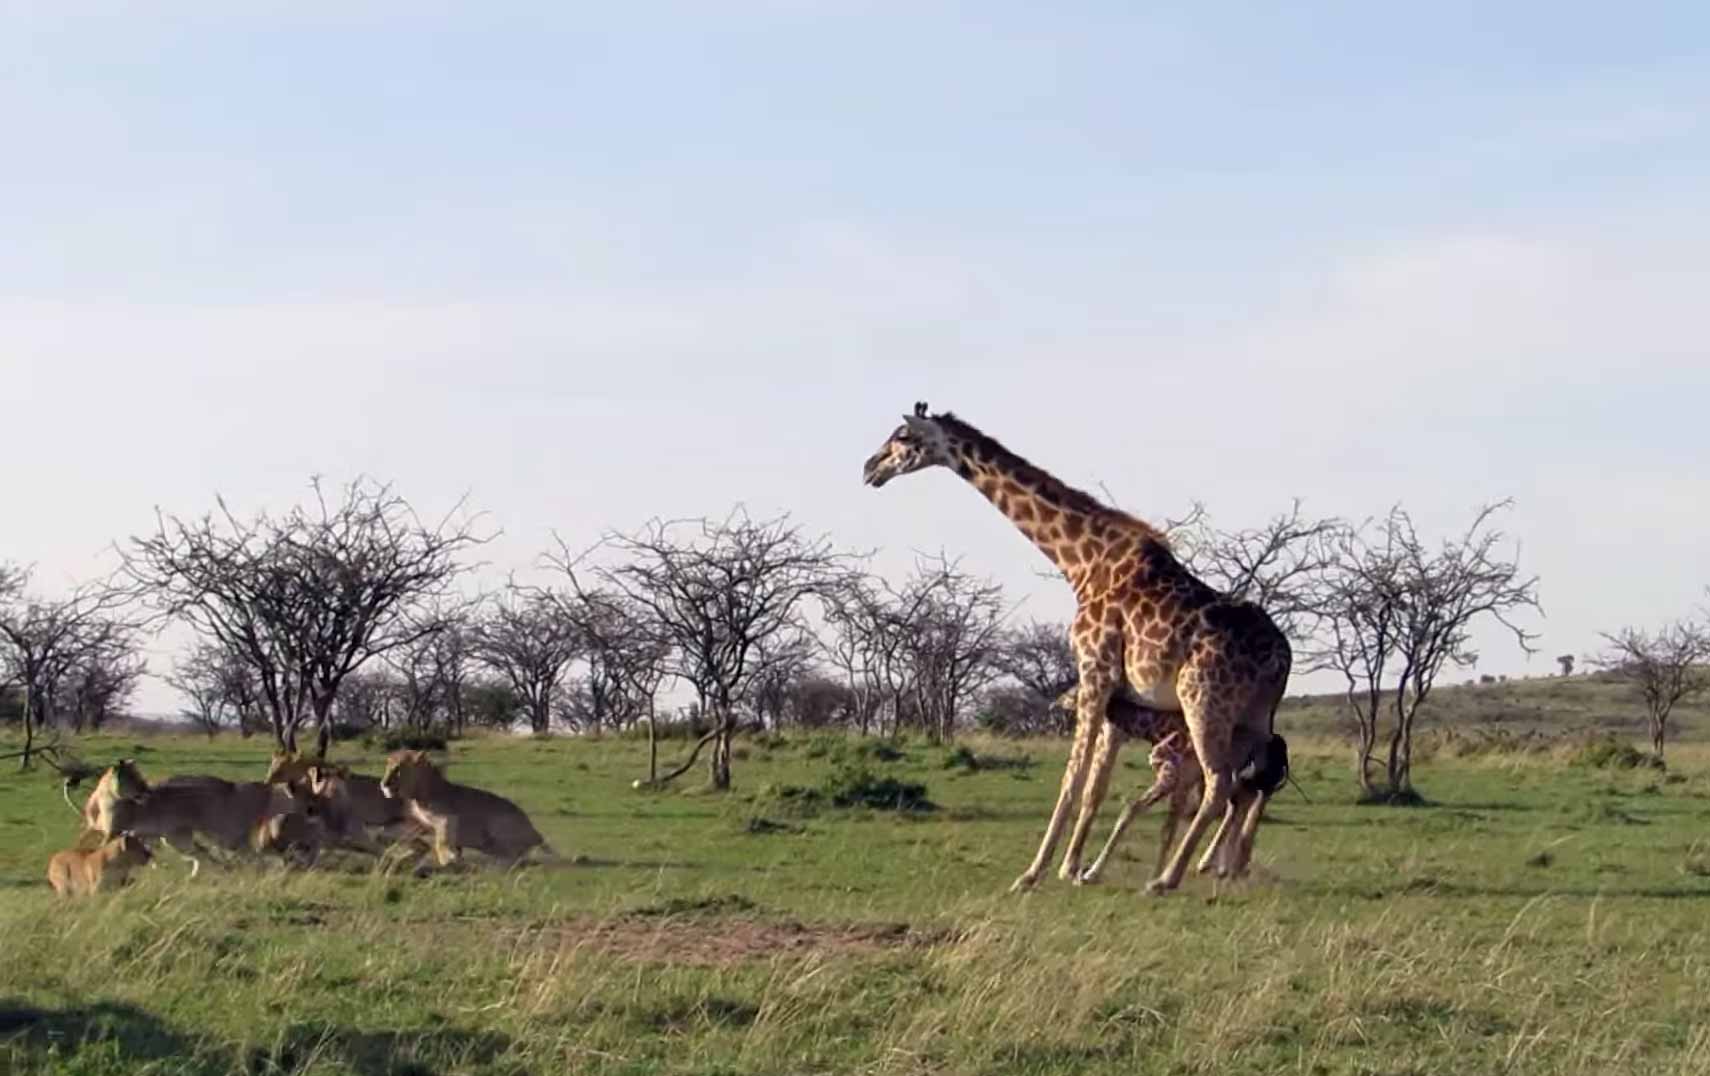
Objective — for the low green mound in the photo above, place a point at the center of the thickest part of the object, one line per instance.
(849, 785)
(968, 760)
(1606, 752)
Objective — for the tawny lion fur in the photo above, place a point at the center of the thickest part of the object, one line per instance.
(231, 814)
(459, 816)
(352, 803)
(119, 781)
(78, 872)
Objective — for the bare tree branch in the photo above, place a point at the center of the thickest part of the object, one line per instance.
(1665, 669)
(719, 595)
(308, 598)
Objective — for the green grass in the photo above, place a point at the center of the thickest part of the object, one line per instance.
(1535, 917)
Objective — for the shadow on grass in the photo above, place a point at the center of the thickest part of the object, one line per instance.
(121, 1038)
(400, 1052)
(1457, 890)
(126, 1034)
(624, 864)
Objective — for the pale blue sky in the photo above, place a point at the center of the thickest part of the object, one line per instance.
(596, 263)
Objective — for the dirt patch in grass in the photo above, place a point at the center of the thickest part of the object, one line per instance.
(721, 941)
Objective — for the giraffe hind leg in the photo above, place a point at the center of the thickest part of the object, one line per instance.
(1243, 853)
(1248, 736)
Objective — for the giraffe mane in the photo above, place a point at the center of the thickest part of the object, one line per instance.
(1036, 478)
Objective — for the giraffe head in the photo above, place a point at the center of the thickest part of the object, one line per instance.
(920, 442)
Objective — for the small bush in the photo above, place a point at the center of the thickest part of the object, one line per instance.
(856, 786)
(1392, 797)
(842, 750)
(1599, 813)
(1608, 752)
(762, 826)
(968, 760)
(408, 741)
(822, 745)
(1488, 742)
(790, 800)
(874, 750)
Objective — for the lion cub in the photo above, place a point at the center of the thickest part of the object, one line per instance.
(81, 871)
(460, 816)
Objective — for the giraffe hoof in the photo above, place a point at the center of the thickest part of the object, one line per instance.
(1157, 887)
(1026, 881)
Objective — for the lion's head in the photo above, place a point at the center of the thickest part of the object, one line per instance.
(125, 779)
(327, 781)
(287, 768)
(408, 775)
(128, 850)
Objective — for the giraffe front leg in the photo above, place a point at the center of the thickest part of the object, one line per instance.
(1097, 786)
(1222, 851)
(1216, 799)
(1089, 715)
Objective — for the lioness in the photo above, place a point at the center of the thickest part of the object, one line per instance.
(460, 816)
(179, 809)
(118, 781)
(351, 803)
(81, 871)
(300, 831)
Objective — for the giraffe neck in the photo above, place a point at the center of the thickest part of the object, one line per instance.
(1069, 527)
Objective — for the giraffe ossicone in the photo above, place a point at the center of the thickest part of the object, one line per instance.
(1146, 631)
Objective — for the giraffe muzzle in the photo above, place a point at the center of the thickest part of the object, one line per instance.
(873, 471)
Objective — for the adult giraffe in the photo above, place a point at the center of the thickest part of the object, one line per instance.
(1144, 626)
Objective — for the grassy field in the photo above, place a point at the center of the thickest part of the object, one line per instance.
(1538, 916)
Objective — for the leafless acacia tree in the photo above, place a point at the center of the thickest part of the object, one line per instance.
(954, 642)
(1391, 603)
(100, 680)
(1277, 566)
(1360, 604)
(44, 641)
(718, 593)
(215, 686)
(1665, 669)
(858, 645)
(428, 676)
(626, 651)
(872, 625)
(1040, 659)
(783, 663)
(307, 598)
(526, 639)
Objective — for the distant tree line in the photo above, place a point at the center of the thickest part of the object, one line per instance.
(349, 615)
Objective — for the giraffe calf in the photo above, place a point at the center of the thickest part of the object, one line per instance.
(1175, 774)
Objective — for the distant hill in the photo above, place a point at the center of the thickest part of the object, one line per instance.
(1547, 704)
